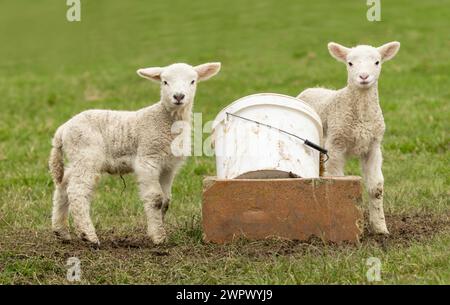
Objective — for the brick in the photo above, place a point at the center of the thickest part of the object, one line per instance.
(327, 207)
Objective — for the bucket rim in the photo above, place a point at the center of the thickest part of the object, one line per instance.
(221, 116)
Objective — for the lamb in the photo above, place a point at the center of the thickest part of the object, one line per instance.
(353, 121)
(121, 142)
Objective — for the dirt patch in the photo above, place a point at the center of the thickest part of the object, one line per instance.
(404, 230)
(30, 256)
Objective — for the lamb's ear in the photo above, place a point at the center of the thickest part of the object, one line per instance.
(389, 50)
(339, 52)
(206, 71)
(153, 74)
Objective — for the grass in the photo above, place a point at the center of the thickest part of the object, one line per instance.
(53, 69)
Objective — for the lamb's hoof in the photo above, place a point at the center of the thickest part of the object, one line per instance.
(158, 238)
(62, 235)
(378, 228)
(92, 241)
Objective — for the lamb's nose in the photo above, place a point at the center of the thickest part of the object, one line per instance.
(179, 97)
(364, 76)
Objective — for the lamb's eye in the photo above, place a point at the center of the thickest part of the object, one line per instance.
(377, 63)
(165, 83)
(193, 82)
(350, 63)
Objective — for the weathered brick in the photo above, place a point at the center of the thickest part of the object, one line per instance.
(327, 207)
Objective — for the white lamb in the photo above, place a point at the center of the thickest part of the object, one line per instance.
(120, 142)
(353, 121)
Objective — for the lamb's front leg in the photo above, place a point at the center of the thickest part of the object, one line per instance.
(336, 162)
(373, 177)
(166, 181)
(153, 197)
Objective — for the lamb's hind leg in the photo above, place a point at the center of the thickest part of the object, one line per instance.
(80, 189)
(60, 212)
(148, 174)
(373, 177)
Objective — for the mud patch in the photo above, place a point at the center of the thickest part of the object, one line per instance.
(137, 241)
(133, 255)
(404, 229)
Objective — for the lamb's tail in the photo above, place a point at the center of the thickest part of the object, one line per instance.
(56, 161)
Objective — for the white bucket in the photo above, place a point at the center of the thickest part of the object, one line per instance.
(246, 149)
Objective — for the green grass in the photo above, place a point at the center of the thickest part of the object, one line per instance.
(52, 69)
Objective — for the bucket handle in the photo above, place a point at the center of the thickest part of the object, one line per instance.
(306, 141)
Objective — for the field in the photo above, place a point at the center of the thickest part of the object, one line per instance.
(52, 69)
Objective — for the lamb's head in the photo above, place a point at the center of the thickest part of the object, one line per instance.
(363, 62)
(179, 81)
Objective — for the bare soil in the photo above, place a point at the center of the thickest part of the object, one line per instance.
(404, 230)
